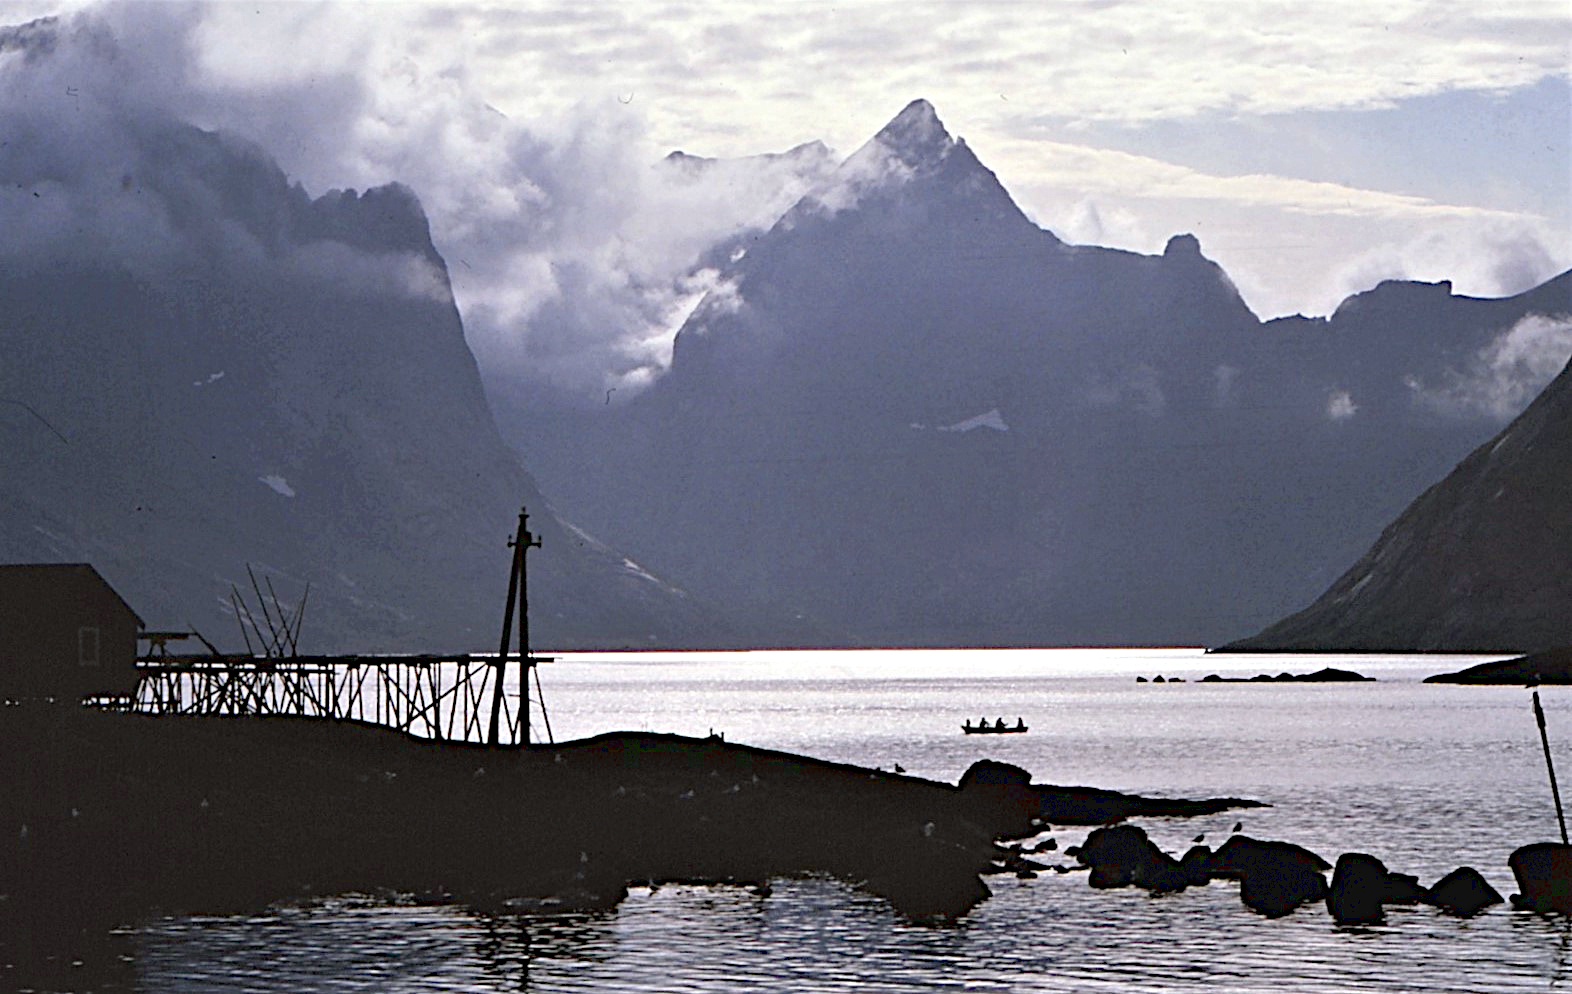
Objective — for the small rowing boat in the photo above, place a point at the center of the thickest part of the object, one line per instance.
(1000, 728)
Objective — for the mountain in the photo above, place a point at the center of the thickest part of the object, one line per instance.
(204, 368)
(1476, 564)
(909, 415)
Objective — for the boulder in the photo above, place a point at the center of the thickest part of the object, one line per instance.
(1544, 875)
(1001, 795)
(1122, 855)
(1404, 888)
(1274, 877)
(1196, 865)
(1329, 674)
(1463, 892)
(1161, 875)
(1359, 883)
(992, 773)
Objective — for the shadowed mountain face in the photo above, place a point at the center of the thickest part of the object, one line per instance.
(1477, 563)
(219, 370)
(911, 416)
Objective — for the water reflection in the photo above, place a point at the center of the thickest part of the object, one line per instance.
(98, 957)
(1052, 934)
(1424, 778)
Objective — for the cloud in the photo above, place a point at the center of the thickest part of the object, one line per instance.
(571, 243)
(1340, 405)
(1098, 171)
(1138, 388)
(1501, 378)
(1496, 259)
(572, 246)
(870, 169)
(1124, 62)
(1224, 393)
(98, 171)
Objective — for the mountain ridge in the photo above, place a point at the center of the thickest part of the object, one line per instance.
(280, 381)
(1472, 565)
(1149, 419)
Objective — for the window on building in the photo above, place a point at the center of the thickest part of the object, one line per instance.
(87, 646)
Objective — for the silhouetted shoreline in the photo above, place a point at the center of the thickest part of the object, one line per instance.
(1553, 666)
(119, 816)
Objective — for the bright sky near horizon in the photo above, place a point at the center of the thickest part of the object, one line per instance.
(1314, 147)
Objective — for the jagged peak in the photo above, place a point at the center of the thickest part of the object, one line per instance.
(33, 38)
(1182, 245)
(915, 134)
(813, 148)
(811, 154)
(389, 217)
(1394, 293)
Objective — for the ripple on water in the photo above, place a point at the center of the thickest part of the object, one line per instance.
(1422, 777)
(1053, 934)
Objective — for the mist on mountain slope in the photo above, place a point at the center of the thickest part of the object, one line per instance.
(1146, 461)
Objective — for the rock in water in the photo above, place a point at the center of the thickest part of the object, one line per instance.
(1274, 877)
(1404, 888)
(1358, 885)
(1464, 892)
(1544, 877)
(1121, 855)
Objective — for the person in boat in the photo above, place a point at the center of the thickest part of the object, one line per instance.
(1019, 723)
(982, 724)
(999, 724)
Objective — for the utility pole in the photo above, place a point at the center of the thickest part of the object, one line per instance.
(520, 543)
(525, 542)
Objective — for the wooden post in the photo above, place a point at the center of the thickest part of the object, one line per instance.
(526, 541)
(1555, 792)
(499, 668)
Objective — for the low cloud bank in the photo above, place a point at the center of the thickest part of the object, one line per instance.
(574, 249)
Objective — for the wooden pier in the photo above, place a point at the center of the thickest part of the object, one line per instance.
(448, 698)
(457, 697)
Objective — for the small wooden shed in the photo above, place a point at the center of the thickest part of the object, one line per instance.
(64, 633)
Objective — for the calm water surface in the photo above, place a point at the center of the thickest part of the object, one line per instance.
(1425, 777)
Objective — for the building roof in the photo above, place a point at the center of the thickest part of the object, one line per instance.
(44, 570)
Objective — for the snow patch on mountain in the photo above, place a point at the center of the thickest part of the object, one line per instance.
(278, 485)
(988, 419)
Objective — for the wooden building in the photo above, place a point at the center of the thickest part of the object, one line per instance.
(64, 633)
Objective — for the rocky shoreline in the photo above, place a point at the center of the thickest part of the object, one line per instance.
(1326, 674)
(1553, 666)
(118, 816)
(1275, 878)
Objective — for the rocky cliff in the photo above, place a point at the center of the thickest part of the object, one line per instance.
(204, 368)
(909, 415)
(1477, 564)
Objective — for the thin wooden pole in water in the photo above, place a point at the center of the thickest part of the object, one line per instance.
(1555, 792)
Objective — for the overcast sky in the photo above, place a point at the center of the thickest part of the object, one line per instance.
(1314, 147)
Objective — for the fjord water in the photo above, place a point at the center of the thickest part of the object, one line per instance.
(1425, 777)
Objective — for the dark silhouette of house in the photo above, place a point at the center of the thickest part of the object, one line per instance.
(64, 633)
